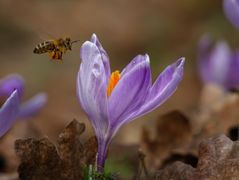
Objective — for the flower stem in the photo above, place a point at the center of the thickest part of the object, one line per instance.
(101, 157)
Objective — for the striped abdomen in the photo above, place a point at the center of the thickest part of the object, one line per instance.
(44, 47)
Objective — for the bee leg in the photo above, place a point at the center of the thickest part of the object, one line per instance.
(52, 54)
(59, 55)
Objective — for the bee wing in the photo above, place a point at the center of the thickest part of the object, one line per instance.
(44, 35)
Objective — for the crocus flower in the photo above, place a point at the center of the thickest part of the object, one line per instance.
(12, 88)
(113, 99)
(218, 64)
(231, 9)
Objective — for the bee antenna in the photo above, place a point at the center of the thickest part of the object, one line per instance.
(75, 41)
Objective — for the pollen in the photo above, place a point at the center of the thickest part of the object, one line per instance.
(55, 55)
(114, 78)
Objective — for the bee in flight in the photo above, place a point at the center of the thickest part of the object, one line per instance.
(55, 48)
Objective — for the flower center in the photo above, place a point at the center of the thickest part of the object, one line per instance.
(114, 78)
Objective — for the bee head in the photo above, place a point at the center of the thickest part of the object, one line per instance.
(68, 43)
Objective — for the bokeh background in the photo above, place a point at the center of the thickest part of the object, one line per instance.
(165, 29)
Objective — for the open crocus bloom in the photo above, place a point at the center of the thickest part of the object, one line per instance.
(231, 9)
(111, 100)
(218, 64)
(12, 89)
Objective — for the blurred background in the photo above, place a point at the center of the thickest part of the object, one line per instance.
(165, 29)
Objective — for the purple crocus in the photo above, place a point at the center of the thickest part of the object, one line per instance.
(231, 9)
(111, 100)
(218, 64)
(12, 89)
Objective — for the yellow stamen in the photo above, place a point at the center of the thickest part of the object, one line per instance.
(114, 78)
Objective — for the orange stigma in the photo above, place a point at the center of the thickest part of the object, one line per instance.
(114, 78)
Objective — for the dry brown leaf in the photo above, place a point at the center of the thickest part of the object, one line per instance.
(41, 159)
(218, 160)
(178, 138)
(173, 130)
(8, 159)
(9, 176)
(218, 111)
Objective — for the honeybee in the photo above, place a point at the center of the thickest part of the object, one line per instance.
(55, 48)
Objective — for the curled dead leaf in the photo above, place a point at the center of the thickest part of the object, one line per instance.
(218, 160)
(41, 159)
(173, 130)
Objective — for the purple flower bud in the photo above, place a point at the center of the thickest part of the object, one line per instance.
(231, 9)
(218, 64)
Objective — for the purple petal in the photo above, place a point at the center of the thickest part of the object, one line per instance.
(165, 85)
(204, 52)
(91, 87)
(33, 106)
(138, 60)
(8, 112)
(219, 64)
(204, 45)
(231, 9)
(233, 73)
(130, 91)
(11, 83)
(104, 55)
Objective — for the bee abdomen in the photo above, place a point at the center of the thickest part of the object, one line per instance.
(44, 47)
(39, 50)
